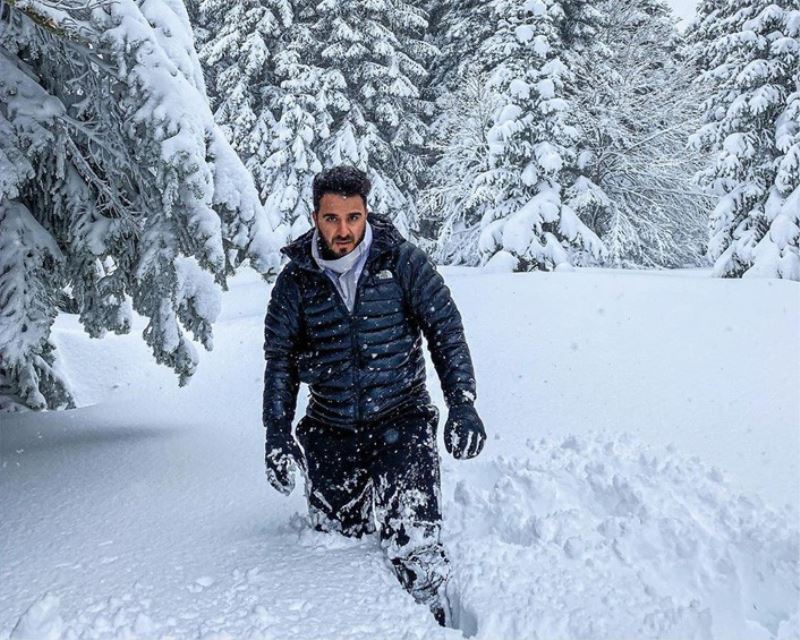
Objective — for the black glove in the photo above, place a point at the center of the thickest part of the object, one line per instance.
(464, 434)
(281, 457)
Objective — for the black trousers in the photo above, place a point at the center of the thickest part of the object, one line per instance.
(384, 476)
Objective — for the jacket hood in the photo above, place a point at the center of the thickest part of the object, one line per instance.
(384, 236)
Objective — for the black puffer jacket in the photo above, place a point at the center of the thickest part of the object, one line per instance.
(367, 364)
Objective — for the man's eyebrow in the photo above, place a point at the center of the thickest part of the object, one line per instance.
(352, 213)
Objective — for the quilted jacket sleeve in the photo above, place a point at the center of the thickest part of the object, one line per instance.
(281, 343)
(438, 317)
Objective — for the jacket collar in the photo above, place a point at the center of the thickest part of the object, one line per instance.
(384, 236)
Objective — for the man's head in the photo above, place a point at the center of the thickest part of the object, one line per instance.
(340, 208)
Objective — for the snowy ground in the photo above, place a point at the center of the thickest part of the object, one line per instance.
(641, 480)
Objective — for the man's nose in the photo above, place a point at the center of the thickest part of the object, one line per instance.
(341, 228)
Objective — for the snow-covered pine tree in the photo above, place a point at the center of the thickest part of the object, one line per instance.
(242, 39)
(117, 189)
(310, 96)
(457, 195)
(455, 88)
(533, 152)
(749, 55)
(199, 29)
(457, 29)
(378, 121)
(636, 107)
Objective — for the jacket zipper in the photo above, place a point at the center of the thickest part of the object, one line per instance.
(352, 317)
(351, 320)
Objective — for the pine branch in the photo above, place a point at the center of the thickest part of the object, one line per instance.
(71, 33)
(52, 18)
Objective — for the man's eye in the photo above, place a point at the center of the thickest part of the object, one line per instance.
(355, 217)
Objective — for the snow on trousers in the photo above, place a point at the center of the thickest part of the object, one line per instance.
(384, 473)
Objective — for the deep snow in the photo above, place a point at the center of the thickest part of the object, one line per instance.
(640, 481)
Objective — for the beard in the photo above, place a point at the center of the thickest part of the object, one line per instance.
(332, 252)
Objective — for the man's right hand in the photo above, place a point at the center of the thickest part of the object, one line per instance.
(464, 434)
(281, 456)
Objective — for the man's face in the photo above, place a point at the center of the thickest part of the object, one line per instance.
(341, 222)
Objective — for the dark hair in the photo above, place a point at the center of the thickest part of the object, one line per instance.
(343, 180)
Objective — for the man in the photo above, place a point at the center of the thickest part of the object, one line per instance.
(346, 317)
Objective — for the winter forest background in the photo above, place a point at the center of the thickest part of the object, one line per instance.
(149, 148)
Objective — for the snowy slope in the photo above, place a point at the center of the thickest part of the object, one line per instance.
(641, 479)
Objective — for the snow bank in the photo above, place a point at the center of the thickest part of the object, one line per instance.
(597, 538)
(40, 622)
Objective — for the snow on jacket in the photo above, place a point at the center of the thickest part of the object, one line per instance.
(362, 365)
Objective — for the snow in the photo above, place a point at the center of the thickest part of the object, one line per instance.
(198, 288)
(640, 478)
(546, 88)
(548, 157)
(536, 7)
(519, 89)
(524, 33)
(541, 46)
(40, 622)
(605, 531)
(25, 247)
(684, 10)
(509, 112)
(501, 262)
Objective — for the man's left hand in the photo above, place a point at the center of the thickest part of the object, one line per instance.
(464, 434)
